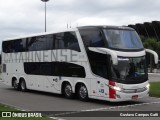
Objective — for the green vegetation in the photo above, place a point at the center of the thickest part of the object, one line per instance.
(7, 108)
(155, 89)
(151, 43)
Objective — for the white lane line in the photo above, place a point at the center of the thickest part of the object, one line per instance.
(56, 118)
(155, 98)
(154, 73)
(106, 108)
(125, 106)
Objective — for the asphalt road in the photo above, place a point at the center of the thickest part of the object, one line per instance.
(42, 101)
(154, 77)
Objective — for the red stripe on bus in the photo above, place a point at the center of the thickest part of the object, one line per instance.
(112, 92)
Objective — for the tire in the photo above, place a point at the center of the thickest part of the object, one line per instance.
(15, 85)
(23, 86)
(83, 93)
(68, 93)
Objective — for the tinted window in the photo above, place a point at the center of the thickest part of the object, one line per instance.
(18, 45)
(99, 63)
(50, 42)
(36, 43)
(67, 40)
(92, 38)
(71, 70)
(32, 68)
(46, 68)
(54, 69)
(40, 43)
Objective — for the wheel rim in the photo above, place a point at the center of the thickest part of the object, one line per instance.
(15, 84)
(83, 92)
(22, 85)
(68, 90)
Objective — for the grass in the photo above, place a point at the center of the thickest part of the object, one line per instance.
(155, 89)
(7, 108)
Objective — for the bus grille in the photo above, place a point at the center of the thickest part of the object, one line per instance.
(134, 90)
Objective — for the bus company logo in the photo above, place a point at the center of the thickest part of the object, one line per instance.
(21, 115)
(6, 114)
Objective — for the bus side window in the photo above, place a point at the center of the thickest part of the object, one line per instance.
(92, 38)
(67, 40)
(70, 41)
(32, 68)
(8, 46)
(37, 43)
(71, 70)
(46, 68)
(50, 42)
(20, 45)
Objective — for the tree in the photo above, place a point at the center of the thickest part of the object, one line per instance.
(151, 43)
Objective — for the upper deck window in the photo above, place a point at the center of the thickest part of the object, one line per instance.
(122, 39)
(92, 38)
(65, 40)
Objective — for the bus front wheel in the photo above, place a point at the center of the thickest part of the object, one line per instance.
(83, 93)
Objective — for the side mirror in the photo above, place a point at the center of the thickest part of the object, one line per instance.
(106, 51)
(154, 54)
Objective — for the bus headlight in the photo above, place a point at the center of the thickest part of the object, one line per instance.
(117, 88)
(148, 85)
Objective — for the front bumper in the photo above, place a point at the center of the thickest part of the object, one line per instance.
(120, 96)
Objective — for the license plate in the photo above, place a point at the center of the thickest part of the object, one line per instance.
(135, 97)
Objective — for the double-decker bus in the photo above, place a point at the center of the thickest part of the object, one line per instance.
(99, 62)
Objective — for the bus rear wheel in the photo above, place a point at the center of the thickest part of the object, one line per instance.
(83, 93)
(23, 86)
(15, 84)
(68, 91)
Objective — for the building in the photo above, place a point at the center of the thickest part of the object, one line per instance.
(148, 29)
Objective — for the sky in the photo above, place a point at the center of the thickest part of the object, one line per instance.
(25, 17)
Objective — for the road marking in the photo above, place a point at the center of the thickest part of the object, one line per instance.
(155, 98)
(154, 73)
(56, 118)
(106, 108)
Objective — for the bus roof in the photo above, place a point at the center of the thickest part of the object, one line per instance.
(71, 29)
(38, 34)
(108, 27)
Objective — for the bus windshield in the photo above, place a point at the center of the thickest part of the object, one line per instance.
(122, 39)
(129, 70)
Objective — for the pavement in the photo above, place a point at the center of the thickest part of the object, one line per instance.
(42, 101)
(154, 77)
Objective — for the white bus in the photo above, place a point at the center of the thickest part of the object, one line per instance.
(99, 62)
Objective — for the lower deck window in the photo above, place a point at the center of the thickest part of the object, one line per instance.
(54, 69)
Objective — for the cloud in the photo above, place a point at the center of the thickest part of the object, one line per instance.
(23, 17)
